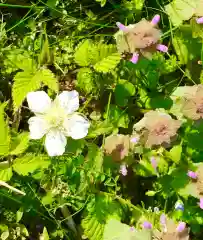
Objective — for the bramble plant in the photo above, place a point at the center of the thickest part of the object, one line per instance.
(118, 152)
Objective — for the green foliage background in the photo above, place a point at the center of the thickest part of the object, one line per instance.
(56, 45)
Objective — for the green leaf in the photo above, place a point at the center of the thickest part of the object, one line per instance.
(123, 91)
(95, 157)
(45, 235)
(99, 128)
(48, 79)
(19, 144)
(180, 10)
(175, 153)
(100, 210)
(6, 174)
(82, 57)
(28, 81)
(124, 231)
(108, 63)
(5, 235)
(4, 133)
(30, 163)
(19, 215)
(117, 117)
(102, 2)
(85, 80)
(187, 48)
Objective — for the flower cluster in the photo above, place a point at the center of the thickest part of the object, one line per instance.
(56, 119)
(141, 38)
(156, 128)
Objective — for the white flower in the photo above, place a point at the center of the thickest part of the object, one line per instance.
(56, 119)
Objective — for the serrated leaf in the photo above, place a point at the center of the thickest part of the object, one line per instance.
(180, 10)
(30, 163)
(95, 157)
(99, 212)
(82, 57)
(6, 174)
(28, 81)
(4, 133)
(19, 144)
(85, 80)
(48, 79)
(107, 64)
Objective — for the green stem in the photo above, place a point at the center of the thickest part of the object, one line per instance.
(16, 6)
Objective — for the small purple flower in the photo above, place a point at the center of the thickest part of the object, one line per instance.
(163, 219)
(135, 58)
(201, 203)
(155, 19)
(147, 225)
(199, 20)
(162, 48)
(192, 174)
(154, 163)
(132, 229)
(121, 26)
(134, 139)
(181, 226)
(179, 206)
(123, 170)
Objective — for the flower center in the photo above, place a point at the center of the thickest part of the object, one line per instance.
(161, 130)
(55, 117)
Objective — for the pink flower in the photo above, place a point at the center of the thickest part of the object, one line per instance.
(192, 174)
(181, 226)
(123, 170)
(201, 203)
(154, 163)
(147, 225)
(199, 20)
(155, 19)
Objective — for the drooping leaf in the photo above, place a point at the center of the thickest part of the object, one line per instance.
(30, 163)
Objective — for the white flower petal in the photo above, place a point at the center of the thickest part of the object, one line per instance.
(38, 127)
(38, 102)
(55, 143)
(69, 101)
(76, 126)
